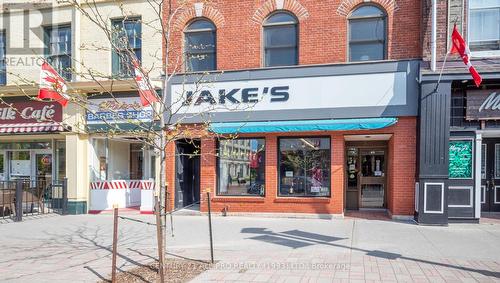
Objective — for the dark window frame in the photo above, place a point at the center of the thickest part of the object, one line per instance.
(117, 69)
(217, 189)
(350, 19)
(3, 61)
(187, 31)
(47, 30)
(265, 25)
(278, 166)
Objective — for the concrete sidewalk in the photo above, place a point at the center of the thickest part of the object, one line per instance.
(249, 249)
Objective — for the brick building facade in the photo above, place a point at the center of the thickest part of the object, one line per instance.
(322, 31)
(254, 158)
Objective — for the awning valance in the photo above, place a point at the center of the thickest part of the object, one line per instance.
(31, 127)
(302, 125)
(124, 127)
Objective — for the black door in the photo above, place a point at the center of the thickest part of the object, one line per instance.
(490, 175)
(187, 168)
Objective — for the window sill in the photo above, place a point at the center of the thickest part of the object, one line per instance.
(302, 200)
(257, 199)
(485, 54)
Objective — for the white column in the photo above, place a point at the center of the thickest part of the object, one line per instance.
(477, 185)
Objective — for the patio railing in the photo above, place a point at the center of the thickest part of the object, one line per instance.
(20, 198)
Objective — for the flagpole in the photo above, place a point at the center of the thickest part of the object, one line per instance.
(441, 72)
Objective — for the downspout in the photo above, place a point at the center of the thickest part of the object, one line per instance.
(433, 34)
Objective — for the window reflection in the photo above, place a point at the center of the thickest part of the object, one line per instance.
(304, 167)
(241, 167)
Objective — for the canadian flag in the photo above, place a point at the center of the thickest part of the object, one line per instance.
(52, 85)
(459, 46)
(146, 91)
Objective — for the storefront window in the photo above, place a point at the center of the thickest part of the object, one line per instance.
(121, 159)
(20, 165)
(304, 167)
(61, 160)
(241, 167)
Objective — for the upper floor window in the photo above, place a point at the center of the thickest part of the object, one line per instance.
(200, 47)
(367, 34)
(3, 63)
(58, 49)
(127, 43)
(484, 25)
(280, 40)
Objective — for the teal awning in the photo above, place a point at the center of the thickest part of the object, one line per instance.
(302, 126)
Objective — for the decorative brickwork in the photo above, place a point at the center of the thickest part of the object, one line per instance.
(346, 6)
(322, 37)
(270, 6)
(197, 10)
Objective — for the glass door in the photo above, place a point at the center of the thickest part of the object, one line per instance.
(43, 168)
(372, 179)
(490, 175)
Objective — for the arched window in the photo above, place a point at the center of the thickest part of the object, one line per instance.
(367, 34)
(199, 48)
(280, 40)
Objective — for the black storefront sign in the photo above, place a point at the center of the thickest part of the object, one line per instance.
(483, 105)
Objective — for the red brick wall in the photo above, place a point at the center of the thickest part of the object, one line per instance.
(402, 163)
(322, 29)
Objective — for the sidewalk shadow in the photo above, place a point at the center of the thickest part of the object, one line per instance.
(296, 239)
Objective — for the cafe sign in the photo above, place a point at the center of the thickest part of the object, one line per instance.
(483, 105)
(30, 112)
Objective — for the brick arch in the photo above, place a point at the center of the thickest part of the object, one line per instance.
(346, 6)
(270, 6)
(198, 10)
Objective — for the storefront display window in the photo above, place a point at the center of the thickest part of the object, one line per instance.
(20, 165)
(304, 167)
(241, 167)
(61, 160)
(460, 159)
(121, 159)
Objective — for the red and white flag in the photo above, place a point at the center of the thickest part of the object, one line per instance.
(146, 91)
(459, 46)
(52, 85)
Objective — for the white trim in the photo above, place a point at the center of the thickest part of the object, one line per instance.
(486, 54)
(477, 181)
(483, 194)
(417, 195)
(495, 195)
(485, 161)
(471, 195)
(442, 198)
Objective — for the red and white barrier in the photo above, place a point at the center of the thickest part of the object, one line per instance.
(124, 193)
